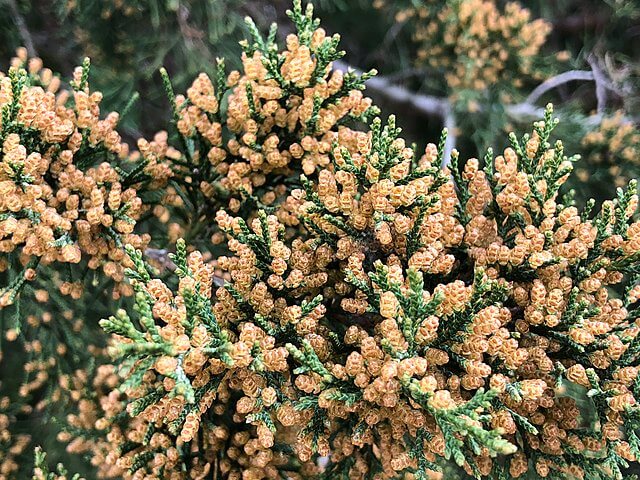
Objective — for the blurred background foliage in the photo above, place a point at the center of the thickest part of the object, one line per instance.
(482, 56)
(479, 67)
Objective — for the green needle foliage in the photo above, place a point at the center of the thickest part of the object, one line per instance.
(278, 284)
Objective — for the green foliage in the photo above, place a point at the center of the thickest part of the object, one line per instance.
(50, 323)
(41, 470)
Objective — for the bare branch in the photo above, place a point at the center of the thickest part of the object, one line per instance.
(441, 107)
(556, 81)
(431, 105)
(601, 83)
(426, 104)
(524, 110)
(450, 143)
(160, 255)
(25, 35)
